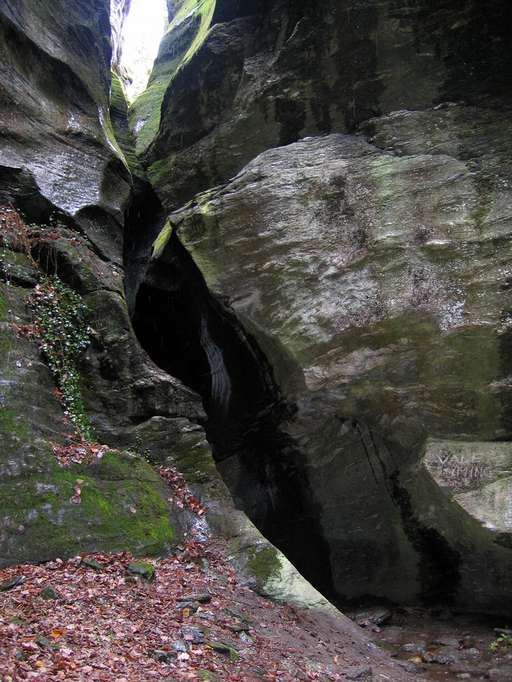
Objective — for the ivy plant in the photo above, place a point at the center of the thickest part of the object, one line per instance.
(60, 316)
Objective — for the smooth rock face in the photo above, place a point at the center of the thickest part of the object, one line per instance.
(383, 275)
(54, 116)
(269, 73)
(380, 267)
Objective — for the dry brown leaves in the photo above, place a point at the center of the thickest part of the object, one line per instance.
(26, 331)
(14, 232)
(17, 235)
(182, 496)
(107, 625)
(78, 452)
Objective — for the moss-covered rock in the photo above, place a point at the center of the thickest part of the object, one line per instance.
(142, 569)
(40, 520)
(122, 502)
(264, 564)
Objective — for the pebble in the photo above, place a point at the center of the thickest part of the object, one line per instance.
(359, 673)
(180, 646)
(414, 647)
(49, 593)
(92, 563)
(142, 569)
(372, 617)
(226, 649)
(192, 634)
(164, 656)
(12, 583)
(202, 598)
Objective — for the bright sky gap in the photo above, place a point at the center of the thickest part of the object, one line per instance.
(143, 30)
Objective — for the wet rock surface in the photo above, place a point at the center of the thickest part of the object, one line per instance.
(456, 647)
(58, 147)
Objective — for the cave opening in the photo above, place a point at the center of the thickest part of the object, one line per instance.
(142, 27)
(197, 339)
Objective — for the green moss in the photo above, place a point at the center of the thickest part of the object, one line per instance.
(119, 119)
(208, 675)
(161, 241)
(110, 137)
(5, 347)
(159, 171)
(113, 515)
(3, 309)
(118, 103)
(12, 424)
(195, 463)
(15, 258)
(205, 9)
(142, 569)
(145, 113)
(264, 564)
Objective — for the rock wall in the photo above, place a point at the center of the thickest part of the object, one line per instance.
(366, 254)
(61, 165)
(337, 180)
(272, 72)
(74, 204)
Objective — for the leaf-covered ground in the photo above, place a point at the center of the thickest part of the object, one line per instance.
(188, 616)
(70, 620)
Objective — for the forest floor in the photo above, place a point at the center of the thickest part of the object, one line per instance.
(106, 617)
(187, 616)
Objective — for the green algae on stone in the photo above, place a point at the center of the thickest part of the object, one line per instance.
(119, 118)
(110, 137)
(49, 594)
(224, 648)
(3, 309)
(89, 562)
(114, 515)
(264, 564)
(161, 241)
(142, 569)
(13, 424)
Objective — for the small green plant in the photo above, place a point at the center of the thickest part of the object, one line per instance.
(502, 641)
(60, 318)
(141, 450)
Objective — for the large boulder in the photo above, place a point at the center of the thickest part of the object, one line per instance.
(372, 274)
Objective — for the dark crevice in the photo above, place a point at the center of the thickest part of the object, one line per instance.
(143, 221)
(438, 565)
(197, 339)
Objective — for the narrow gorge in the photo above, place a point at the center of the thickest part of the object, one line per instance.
(291, 249)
